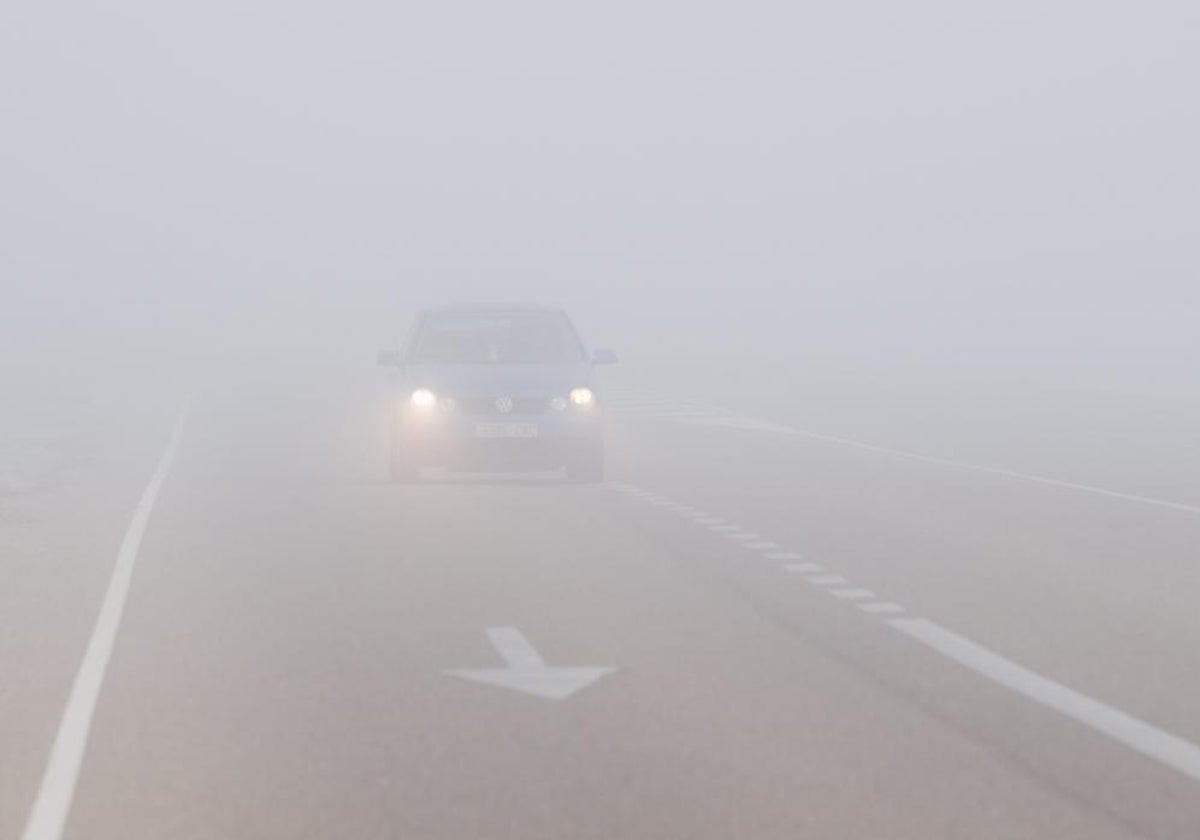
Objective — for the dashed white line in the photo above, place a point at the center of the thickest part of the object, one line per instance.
(827, 580)
(761, 546)
(881, 608)
(53, 802)
(852, 594)
(741, 536)
(1155, 743)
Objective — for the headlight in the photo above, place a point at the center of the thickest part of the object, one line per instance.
(583, 397)
(423, 398)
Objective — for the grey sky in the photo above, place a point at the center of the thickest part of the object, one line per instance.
(854, 182)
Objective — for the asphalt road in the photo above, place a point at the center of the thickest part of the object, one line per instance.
(765, 601)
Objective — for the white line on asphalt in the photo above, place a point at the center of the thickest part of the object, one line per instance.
(881, 608)
(757, 425)
(723, 528)
(1149, 740)
(54, 796)
(742, 536)
(783, 555)
(852, 594)
(761, 546)
(827, 580)
(804, 568)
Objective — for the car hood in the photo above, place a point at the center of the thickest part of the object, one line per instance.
(531, 380)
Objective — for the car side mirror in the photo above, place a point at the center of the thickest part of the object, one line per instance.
(391, 358)
(604, 357)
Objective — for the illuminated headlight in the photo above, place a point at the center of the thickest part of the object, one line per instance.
(423, 398)
(583, 397)
(559, 403)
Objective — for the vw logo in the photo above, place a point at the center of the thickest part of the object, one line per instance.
(504, 405)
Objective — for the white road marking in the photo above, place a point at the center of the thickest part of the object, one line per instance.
(724, 528)
(761, 426)
(53, 802)
(881, 608)
(1149, 740)
(761, 546)
(742, 536)
(527, 672)
(852, 594)
(710, 520)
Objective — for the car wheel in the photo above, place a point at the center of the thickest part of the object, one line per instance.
(585, 465)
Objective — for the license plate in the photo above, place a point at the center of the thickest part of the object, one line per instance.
(506, 430)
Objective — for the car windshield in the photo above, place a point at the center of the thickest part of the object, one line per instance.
(497, 338)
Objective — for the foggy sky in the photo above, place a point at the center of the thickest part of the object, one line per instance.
(862, 182)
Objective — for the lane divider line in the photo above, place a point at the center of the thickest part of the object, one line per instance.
(52, 805)
(1140, 736)
(783, 555)
(827, 580)
(881, 608)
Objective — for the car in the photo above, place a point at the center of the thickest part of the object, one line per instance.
(497, 389)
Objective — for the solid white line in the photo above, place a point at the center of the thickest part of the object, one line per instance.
(758, 425)
(54, 796)
(1150, 741)
(881, 607)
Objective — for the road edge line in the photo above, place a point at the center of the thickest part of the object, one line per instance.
(52, 805)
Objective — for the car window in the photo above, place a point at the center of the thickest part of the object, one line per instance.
(520, 338)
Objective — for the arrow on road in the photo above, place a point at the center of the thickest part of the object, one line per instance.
(527, 672)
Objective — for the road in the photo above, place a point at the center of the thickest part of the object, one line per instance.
(284, 665)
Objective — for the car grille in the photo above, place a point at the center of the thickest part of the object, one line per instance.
(486, 406)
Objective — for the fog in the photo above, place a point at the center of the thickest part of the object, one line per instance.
(962, 231)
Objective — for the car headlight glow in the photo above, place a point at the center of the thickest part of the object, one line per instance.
(582, 397)
(423, 398)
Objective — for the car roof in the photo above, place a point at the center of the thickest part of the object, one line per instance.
(489, 308)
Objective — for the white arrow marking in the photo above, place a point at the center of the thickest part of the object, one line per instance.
(527, 672)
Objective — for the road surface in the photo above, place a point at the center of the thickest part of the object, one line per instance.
(794, 637)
